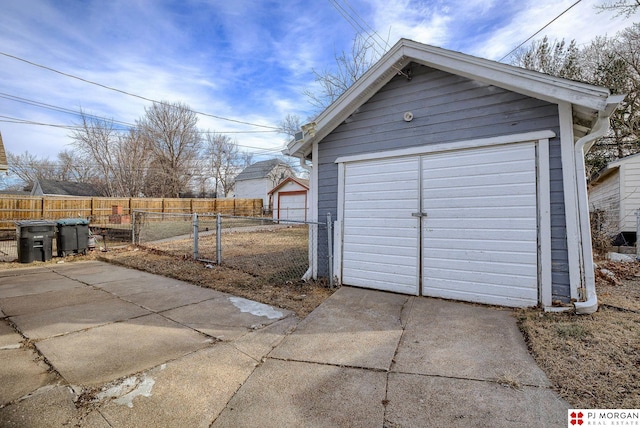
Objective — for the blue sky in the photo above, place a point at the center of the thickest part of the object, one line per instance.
(245, 60)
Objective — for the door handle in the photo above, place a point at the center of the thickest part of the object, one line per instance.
(420, 214)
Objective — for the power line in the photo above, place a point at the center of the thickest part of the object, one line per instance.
(538, 32)
(126, 92)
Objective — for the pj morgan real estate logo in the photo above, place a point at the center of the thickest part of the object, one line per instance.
(603, 418)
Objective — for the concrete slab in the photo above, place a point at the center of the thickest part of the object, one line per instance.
(445, 402)
(294, 394)
(98, 273)
(35, 284)
(49, 407)
(188, 392)
(22, 270)
(23, 305)
(355, 327)
(9, 339)
(225, 320)
(142, 284)
(453, 339)
(173, 296)
(261, 342)
(112, 351)
(22, 372)
(68, 319)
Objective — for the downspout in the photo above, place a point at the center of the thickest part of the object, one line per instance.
(590, 303)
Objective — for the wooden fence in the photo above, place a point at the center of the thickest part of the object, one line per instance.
(104, 211)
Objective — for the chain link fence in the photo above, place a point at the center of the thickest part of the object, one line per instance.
(274, 250)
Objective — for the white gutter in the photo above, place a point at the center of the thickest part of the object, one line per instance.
(590, 303)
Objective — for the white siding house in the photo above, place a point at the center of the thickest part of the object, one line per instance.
(290, 199)
(256, 180)
(616, 192)
(457, 177)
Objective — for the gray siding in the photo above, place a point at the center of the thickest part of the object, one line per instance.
(446, 108)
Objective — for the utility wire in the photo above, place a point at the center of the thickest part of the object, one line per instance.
(127, 93)
(538, 32)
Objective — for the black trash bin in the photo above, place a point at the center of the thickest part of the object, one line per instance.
(73, 236)
(35, 239)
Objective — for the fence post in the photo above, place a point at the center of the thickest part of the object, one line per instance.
(330, 248)
(195, 236)
(133, 228)
(219, 239)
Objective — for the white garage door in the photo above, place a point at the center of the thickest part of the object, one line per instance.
(381, 244)
(480, 239)
(292, 206)
(477, 237)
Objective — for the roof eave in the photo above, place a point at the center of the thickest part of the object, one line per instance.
(516, 79)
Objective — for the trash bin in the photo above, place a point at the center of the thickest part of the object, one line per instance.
(73, 236)
(35, 239)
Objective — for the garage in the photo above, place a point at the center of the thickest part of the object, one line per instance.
(457, 224)
(454, 176)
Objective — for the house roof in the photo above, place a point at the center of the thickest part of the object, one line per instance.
(4, 165)
(300, 181)
(587, 100)
(259, 170)
(612, 167)
(64, 188)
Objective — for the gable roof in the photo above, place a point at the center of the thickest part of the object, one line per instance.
(300, 181)
(4, 165)
(259, 170)
(63, 188)
(587, 100)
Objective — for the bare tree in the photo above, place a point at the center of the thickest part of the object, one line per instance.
(610, 62)
(624, 8)
(223, 161)
(72, 166)
(290, 125)
(174, 139)
(132, 160)
(349, 67)
(28, 167)
(95, 139)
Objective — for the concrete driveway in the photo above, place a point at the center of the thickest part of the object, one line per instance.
(95, 345)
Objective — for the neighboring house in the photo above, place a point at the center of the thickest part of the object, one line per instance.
(457, 177)
(256, 180)
(289, 199)
(63, 188)
(615, 194)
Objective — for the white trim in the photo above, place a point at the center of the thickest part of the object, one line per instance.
(570, 200)
(445, 147)
(339, 228)
(544, 223)
(313, 213)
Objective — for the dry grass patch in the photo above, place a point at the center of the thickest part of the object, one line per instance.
(593, 359)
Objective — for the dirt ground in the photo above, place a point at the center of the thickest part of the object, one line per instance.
(594, 360)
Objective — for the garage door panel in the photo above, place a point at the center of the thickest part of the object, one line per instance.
(482, 212)
(492, 237)
(492, 294)
(482, 255)
(380, 238)
(484, 266)
(483, 279)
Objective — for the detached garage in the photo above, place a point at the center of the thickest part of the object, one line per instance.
(289, 199)
(457, 177)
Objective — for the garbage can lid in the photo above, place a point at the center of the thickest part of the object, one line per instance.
(35, 223)
(72, 221)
